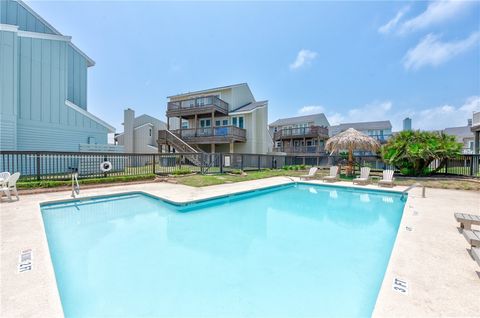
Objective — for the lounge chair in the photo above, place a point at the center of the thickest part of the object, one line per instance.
(476, 254)
(473, 237)
(10, 185)
(388, 179)
(333, 175)
(311, 173)
(363, 179)
(466, 220)
(3, 178)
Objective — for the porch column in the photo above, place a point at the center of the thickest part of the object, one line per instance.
(212, 127)
(181, 127)
(231, 147)
(195, 126)
(168, 123)
(476, 143)
(304, 148)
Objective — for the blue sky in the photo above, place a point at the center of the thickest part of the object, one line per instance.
(354, 61)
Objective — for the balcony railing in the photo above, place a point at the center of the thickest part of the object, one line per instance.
(198, 103)
(381, 138)
(312, 131)
(212, 134)
(300, 149)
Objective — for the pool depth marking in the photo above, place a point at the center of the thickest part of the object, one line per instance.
(25, 260)
(400, 285)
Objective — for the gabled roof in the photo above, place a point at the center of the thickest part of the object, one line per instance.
(209, 90)
(361, 126)
(250, 106)
(319, 118)
(90, 62)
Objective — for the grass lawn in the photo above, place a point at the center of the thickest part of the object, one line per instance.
(440, 183)
(60, 183)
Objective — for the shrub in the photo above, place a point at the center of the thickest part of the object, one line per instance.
(412, 152)
(181, 171)
(303, 167)
(236, 171)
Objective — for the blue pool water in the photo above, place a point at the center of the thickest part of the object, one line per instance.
(290, 251)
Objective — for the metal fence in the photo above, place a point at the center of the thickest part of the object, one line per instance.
(47, 165)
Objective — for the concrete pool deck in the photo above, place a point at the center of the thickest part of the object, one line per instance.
(432, 257)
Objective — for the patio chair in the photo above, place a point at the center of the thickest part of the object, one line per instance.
(388, 179)
(363, 179)
(10, 185)
(3, 178)
(333, 175)
(466, 220)
(311, 173)
(476, 254)
(473, 237)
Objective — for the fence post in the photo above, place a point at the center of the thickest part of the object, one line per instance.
(446, 166)
(153, 164)
(258, 163)
(38, 166)
(241, 162)
(220, 160)
(202, 161)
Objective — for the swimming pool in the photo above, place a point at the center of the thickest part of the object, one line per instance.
(294, 250)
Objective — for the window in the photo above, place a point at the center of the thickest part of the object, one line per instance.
(225, 122)
(217, 123)
(91, 140)
(184, 124)
(238, 121)
(205, 123)
(150, 132)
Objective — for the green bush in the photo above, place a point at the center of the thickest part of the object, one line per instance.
(58, 183)
(181, 171)
(412, 152)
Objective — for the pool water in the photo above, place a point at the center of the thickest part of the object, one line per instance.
(289, 251)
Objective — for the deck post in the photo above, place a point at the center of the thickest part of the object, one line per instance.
(153, 163)
(38, 166)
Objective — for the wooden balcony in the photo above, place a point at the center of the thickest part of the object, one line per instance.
(302, 132)
(212, 135)
(300, 149)
(197, 106)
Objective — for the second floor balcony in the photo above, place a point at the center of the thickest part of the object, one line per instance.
(315, 149)
(301, 132)
(198, 105)
(209, 135)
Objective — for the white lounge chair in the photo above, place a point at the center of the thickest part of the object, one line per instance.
(311, 173)
(467, 220)
(363, 179)
(388, 179)
(10, 186)
(476, 254)
(333, 175)
(472, 237)
(3, 178)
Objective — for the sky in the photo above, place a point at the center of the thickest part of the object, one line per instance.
(353, 61)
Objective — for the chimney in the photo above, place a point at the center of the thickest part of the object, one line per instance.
(469, 122)
(128, 117)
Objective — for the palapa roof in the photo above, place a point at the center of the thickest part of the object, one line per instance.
(352, 139)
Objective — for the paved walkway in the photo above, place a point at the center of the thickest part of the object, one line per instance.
(441, 276)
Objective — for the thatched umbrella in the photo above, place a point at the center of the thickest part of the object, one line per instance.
(351, 140)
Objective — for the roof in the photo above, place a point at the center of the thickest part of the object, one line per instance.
(90, 62)
(209, 90)
(250, 106)
(459, 132)
(319, 118)
(360, 126)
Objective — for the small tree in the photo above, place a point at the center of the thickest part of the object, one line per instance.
(412, 152)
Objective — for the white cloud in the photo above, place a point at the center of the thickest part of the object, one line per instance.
(431, 51)
(430, 118)
(304, 58)
(308, 110)
(436, 12)
(386, 28)
(444, 116)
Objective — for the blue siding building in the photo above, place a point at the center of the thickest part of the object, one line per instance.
(43, 86)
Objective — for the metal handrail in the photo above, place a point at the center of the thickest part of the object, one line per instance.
(414, 186)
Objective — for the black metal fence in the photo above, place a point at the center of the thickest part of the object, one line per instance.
(47, 165)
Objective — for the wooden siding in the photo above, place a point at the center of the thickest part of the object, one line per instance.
(77, 78)
(11, 12)
(8, 90)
